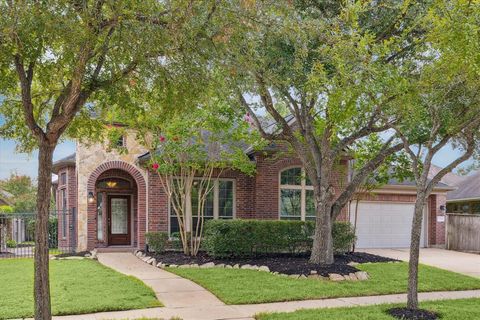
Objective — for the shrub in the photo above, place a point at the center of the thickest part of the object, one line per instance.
(244, 238)
(6, 209)
(343, 237)
(157, 241)
(11, 244)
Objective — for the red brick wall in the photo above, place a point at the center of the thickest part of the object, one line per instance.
(436, 236)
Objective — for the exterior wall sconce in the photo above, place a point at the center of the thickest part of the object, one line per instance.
(91, 197)
(443, 208)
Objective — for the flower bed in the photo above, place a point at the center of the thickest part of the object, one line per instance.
(296, 266)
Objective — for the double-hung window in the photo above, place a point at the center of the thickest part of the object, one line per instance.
(219, 204)
(296, 195)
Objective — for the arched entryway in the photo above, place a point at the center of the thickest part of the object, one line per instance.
(116, 206)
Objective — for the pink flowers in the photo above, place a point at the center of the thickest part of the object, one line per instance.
(248, 119)
(162, 139)
(155, 166)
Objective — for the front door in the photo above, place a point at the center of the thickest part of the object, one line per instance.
(118, 220)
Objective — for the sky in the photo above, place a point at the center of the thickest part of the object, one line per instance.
(27, 164)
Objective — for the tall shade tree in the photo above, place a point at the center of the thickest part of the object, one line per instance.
(441, 107)
(62, 60)
(323, 72)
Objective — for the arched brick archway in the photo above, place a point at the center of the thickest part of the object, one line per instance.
(141, 201)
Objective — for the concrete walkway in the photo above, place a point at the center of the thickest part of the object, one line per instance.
(188, 301)
(246, 312)
(172, 290)
(460, 262)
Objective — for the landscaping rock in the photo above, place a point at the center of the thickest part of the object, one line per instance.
(220, 265)
(160, 265)
(361, 275)
(295, 276)
(313, 272)
(74, 258)
(236, 266)
(152, 261)
(227, 266)
(264, 268)
(146, 258)
(353, 277)
(302, 276)
(185, 266)
(208, 265)
(195, 265)
(94, 255)
(173, 266)
(353, 264)
(247, 266)
(335, 277)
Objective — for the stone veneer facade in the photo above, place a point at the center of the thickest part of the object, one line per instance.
(256, 197)
(88, 159)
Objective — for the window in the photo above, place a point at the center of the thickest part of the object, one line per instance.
(63, 178)
(100, 216)
(296, 195)
(219, 204)
(120, 143)
(114, 183)
(64, 213)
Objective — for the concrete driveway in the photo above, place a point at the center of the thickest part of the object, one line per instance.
(460, 262)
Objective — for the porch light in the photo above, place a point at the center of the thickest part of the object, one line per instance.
(91, 197)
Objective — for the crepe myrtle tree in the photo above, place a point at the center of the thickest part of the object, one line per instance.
(60, 59)
(441, 108)
(323, 73)
(188, 152)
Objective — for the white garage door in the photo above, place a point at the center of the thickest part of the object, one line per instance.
(384, 224)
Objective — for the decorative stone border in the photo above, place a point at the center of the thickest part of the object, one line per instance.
(357, 276)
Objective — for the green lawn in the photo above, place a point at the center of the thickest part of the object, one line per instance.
(447, 309)
(238, 286)
(77, 286)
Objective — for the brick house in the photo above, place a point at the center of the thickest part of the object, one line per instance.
(117, 199)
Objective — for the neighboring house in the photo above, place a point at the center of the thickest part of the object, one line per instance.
(466, 197)
(117, 199)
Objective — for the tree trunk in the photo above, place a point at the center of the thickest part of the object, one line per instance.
(322, 249)
(412, 297)
(41, 283)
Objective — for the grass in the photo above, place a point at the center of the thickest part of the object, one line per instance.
(447, 309)
(77, 287)
(238, 286)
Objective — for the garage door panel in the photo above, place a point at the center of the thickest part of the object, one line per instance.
(383, 225)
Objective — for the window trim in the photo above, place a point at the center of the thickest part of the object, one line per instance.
(303, 187)
(215, 202)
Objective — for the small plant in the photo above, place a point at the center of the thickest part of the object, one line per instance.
(157, 241)
(11, 244)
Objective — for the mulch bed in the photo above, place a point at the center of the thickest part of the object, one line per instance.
(412, 314)
(281, 263)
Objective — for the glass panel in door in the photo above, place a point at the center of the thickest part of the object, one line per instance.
(119, 212)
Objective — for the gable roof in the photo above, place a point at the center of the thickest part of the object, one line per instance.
(64, 162)
(467, 188)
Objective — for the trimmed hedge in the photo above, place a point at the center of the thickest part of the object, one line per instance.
(246, 238)
(157, 241)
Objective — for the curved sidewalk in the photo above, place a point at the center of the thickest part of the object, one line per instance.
(173, 291)
(188, 301)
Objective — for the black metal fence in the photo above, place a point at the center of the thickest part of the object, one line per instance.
(17, 233)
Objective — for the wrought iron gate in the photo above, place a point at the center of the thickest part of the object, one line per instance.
(17, 233)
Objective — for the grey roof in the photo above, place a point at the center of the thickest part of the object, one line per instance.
(67, 161)
(467, 188)
(411, 183)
